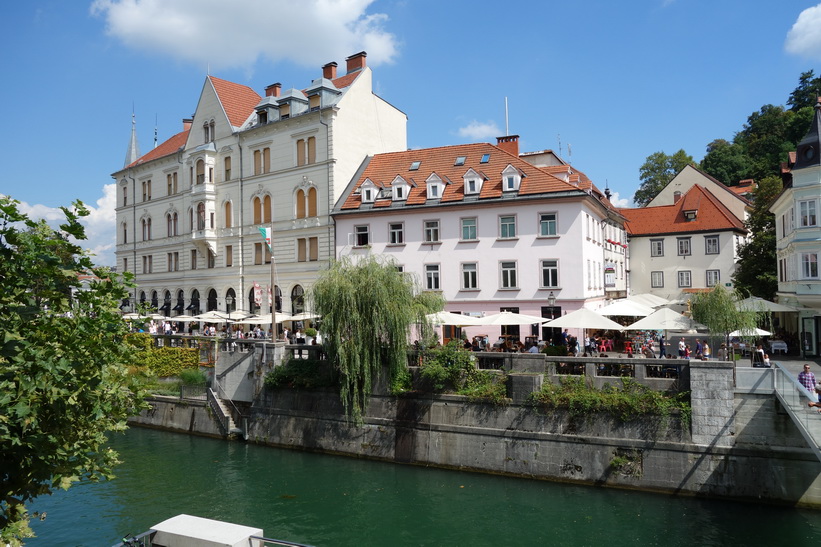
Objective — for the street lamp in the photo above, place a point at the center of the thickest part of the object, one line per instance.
(229, 300)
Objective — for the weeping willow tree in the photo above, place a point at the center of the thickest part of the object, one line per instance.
(368, 308)
(721, 312)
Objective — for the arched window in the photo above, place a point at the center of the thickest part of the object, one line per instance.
(169, 225)
(228, 223)
(179, 307)
(148, 224)
(154, 300)
(227, 163)
(175, 223)
(206, 136)
(201, 216)
(166, 303)
(194, 306)
(125, 232)
(300, 204)
(200, 172)
(142, 297)
(297, 300)
(266, 210)
(213, 130)
(190, 219)
(212, 300)
(257, 211)
(278, 298)
(252, 301)
(125, 196)
(312, 202)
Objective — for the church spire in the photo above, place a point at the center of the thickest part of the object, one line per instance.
(133, 152)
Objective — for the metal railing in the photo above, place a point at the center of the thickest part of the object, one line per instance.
(794, 398)
(269, 541)
(222, 418)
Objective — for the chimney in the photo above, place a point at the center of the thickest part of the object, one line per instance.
(356, 61)
(186, 123)
(273, 90)
(329, 71)
(676, 196)
(509, 144)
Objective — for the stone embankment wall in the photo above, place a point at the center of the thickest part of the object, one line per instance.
(741, 446)
(183, 416)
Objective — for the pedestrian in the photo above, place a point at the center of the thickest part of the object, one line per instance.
(681, 347)
(699, 349)
(807, 379)
(705, 351)
(722, 352)
(662, 353)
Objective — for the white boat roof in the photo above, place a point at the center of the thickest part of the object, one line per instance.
(190, 531)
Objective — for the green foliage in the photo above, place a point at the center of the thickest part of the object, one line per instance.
(193, 377)
(63, 367)
(164, 361)
(453, 368)
(718, 310)
(300, 373)
(756, 271)
(727, 162)
(806, 93)
(627, 402)
(658, 170)
(559, 350)
(367, 309)
(310, 331)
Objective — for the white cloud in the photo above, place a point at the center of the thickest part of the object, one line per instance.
(235, 34)
(99, 224)
(479, 131)
(620, 201)
(804, 38)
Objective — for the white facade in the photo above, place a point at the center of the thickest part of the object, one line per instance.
(249, 162)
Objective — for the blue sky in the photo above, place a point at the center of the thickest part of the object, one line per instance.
(611, 82)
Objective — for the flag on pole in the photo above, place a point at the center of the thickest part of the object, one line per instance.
(257, 294)
(269, 295)
(266, 234)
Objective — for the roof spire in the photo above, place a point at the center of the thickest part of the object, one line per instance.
(808, 151)
(133, 152)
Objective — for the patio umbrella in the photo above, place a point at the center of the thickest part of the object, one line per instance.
(509, 318)
(455, 319)
(184, 318)
(648, 299)
(755, 303)
(665, 319)
(756, 332)
(302, 316)
(212, 317)
(264, 319)
(628, 308)
(583, 318)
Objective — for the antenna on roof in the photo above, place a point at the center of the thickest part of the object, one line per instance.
(559, 138)
(507, 127)
(155, 130)
(569, 154)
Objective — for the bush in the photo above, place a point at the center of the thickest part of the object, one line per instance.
(310, 331)
(452, 368)
(300, 373)
(193, 377)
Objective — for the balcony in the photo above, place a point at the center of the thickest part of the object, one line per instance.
(205, 240)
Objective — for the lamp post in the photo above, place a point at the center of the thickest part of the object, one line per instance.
(229, 301)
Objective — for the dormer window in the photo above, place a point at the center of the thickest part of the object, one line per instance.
(435, 186)
(690, 215)
(473, 182)
(368, 191)
(511, 178)
(399, 189)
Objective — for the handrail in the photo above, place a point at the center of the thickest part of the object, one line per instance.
(277, 542)
(794, 398)
(222, 418)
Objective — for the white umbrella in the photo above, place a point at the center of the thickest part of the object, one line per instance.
(449, 318)
(755, 303)
(750, 333)
(133, 316)
(184, 318)
(302, 316)
(649, 299)
(583, 318)
(264, 319)
(665, 319)
(509, 318)
(627, 308)
(212, 317)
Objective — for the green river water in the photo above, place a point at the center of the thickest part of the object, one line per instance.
(329, 500)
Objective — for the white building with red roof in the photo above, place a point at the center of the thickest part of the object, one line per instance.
(488, 229)
(685, 246)
(189, 211)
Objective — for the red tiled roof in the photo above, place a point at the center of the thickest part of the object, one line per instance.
(669, 219)
(237, 100)
(171, 146)
(384, 168)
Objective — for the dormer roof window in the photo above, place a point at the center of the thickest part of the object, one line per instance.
(691, 214)
(435, 186)
(414, 166)
(368, 191)
(473, 182)
(460, 160)
(511, 179)
(399, 189)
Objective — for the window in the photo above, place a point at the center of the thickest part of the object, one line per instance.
(683, 246)
(170, 185)
(485, 158)
(257, 162)
(471, 186)
(510, 179)
(261, 253)
(312, 202)
(431, 231)
(713, 277)
(362, 236)
(507, 227)
(807, 213)
(434, 190)
(656, 247)
(397, 233)
(306, 151)
(547, 224)
(125, 197)
(432, 277)
(301, 250)
(510, 183)
(227, 168)
(228, 212)
(148, 264)
(508, 275)
(460, 160)
(470, 277)
(300, 204)
(550, 273)
(173, 260)
(711, 245)
(125, 233)
(266, 209)
(266, 160)
(193, 259)
(200, 172)
(313, 249)
(398, 192)
(469, 229)
(146, 186)
(210, 259)
(684, 279)
(201, 216)
(229, 256)
(809, 265)
(368, 195)
(657, 280)
(414, 166)
(257, 211)
(125, 264)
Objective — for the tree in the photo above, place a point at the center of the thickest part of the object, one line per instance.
(367, 308)
(756, 272)
(726, 162)
(718, 310)
(658, 170)
(806, 92)
(63, 375)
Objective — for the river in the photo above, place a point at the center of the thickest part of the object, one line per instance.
(328, 500)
